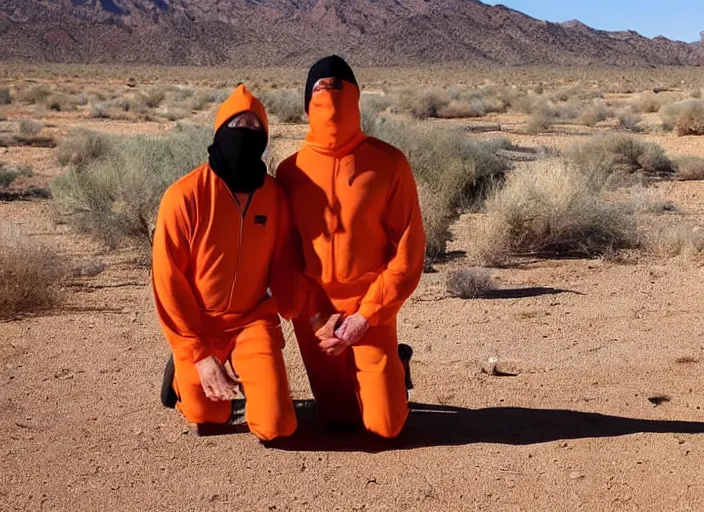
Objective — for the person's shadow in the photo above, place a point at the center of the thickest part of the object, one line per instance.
(440, 425)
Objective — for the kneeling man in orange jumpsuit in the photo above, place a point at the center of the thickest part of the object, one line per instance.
(222, 241)
(355, 206)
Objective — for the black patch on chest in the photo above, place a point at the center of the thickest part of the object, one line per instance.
(260, 219)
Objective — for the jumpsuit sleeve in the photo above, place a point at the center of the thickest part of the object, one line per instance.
(404, 224)
(294, 293)
(179, 313)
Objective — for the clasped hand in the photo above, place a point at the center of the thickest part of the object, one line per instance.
(335, 337)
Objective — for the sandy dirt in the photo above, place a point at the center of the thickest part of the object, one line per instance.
(596, 343)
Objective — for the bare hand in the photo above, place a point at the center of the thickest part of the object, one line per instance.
(327, 330)
(352, 329)
(219, 384)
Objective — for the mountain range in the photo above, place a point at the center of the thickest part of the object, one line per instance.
(292, 33)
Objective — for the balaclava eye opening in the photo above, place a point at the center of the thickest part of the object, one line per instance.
(328, 67)
(236, 157)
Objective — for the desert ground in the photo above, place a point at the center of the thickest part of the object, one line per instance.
(597, 403)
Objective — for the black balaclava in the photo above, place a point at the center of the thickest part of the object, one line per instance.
(236, 157)
(328, 67)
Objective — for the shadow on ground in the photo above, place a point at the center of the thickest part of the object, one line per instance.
(438, 425)
(524, 293)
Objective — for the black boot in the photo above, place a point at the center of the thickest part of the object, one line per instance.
(168, 395)
(405, 352)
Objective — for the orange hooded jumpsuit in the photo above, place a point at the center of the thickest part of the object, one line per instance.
(355, 206)
(213, 261)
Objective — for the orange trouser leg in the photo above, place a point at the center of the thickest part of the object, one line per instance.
(192, 402)
(367, 379)
(259, 363)
(380, 381)
(331, 380)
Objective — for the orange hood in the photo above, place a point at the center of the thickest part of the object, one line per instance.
(240, 101)
(335, 120)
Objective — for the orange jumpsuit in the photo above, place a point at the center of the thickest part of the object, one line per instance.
(355, 206)
(213, 261)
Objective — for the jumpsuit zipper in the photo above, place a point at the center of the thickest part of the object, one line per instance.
(243, 214)
(333, 235)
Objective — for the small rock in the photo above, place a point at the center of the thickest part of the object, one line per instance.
(576, 475)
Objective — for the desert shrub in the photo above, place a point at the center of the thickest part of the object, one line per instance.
(456, 109)
(690, 168)
(373, 104)
(155, 97)
(5, 97)
(610, 158)
(540, 121)
(423, 104)
(594, 114)
(220, 95)
(647, 103)
(630, 122)
(286, 105)
(9, 173)
(469, 283)
(689, 110)
(690, 120)
(437, 219)
(35, 94)
(30, 274)
(550, 207)
(62, 103)
(201, 99)
(696, 94)
(82, 147)
(30, 127)
(179, 93)
(114, 189)
(173, 113)
(99, 110)
(675, 240)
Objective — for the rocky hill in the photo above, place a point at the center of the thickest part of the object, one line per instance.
(286, 33)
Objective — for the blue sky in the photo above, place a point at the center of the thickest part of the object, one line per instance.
(677, 19)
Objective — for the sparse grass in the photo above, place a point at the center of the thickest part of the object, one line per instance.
(9, 173)
(469, 283)
(690, 120)
(29, 127)
(30, 274)
(609, 159)
(115, 184)
(675, 240)
(286, 105)
(5, 96)
(690, 168)
(550, 208)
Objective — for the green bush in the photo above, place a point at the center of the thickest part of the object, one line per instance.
(608, 159)
(115, 184)
(286, 105)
